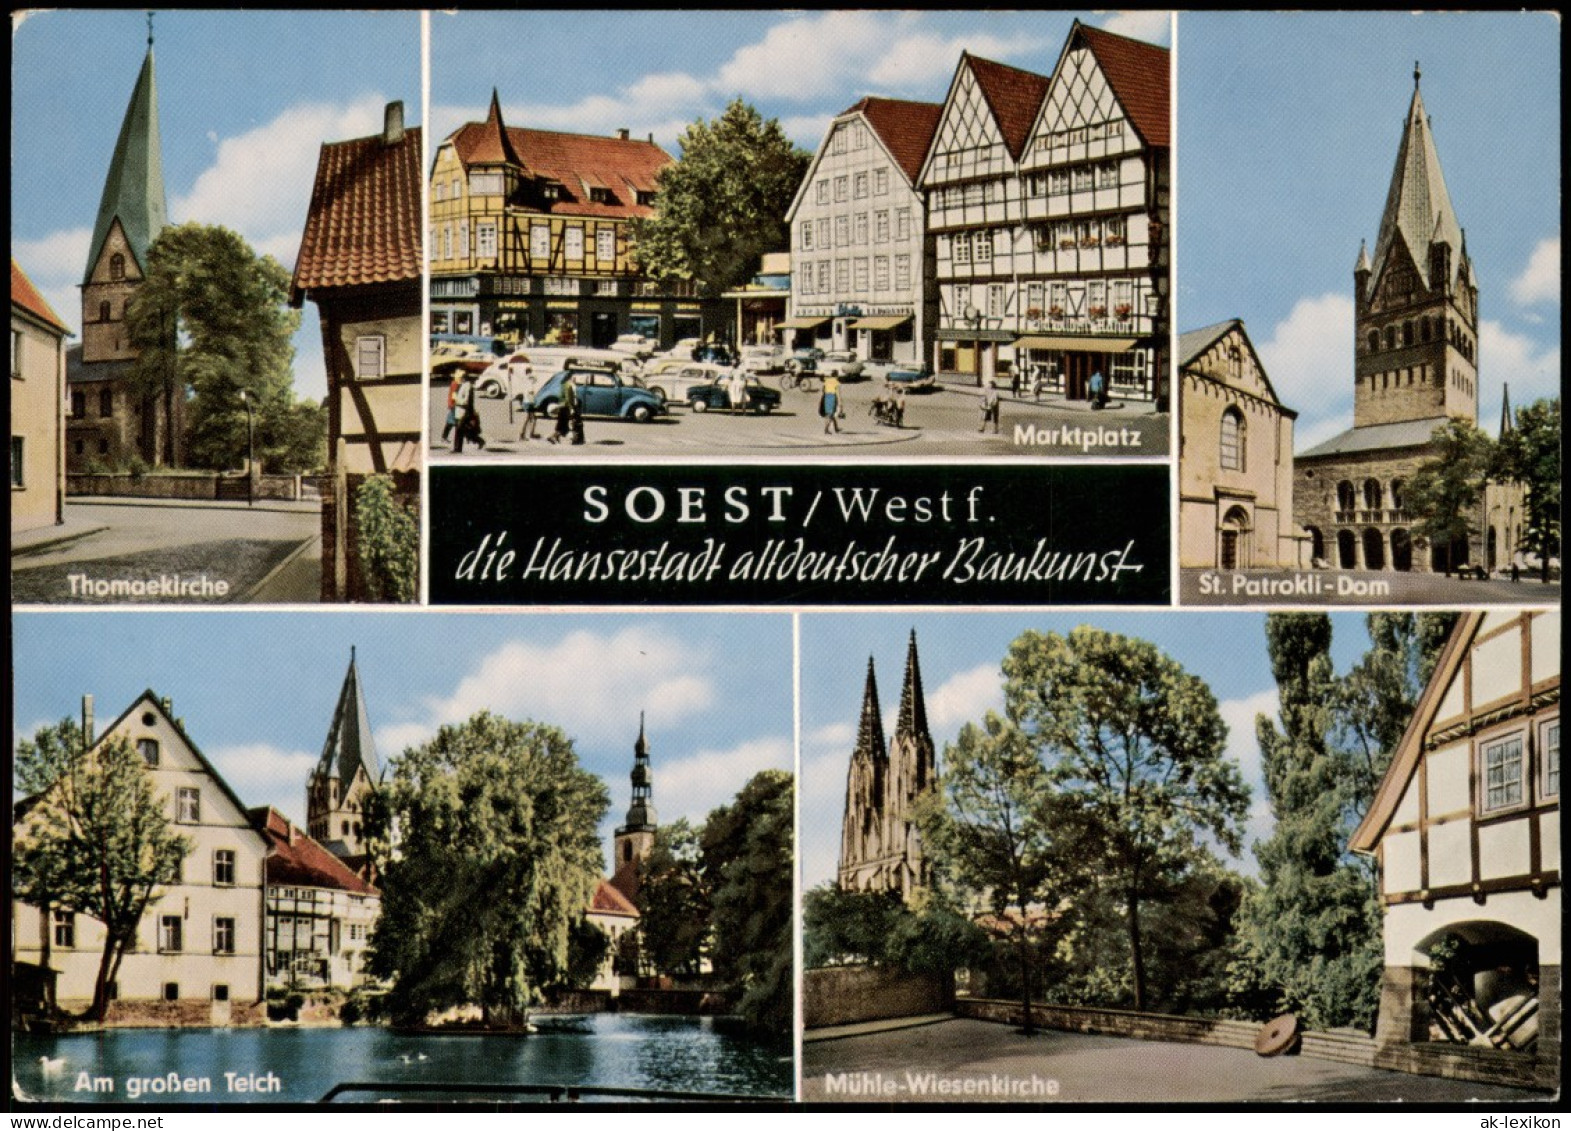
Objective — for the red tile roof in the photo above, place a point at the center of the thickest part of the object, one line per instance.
(1140, 76)
(906, 128)
(1014, 96)
(577, 162)
(609, 901)
(625, 879)
(492, 145)
(364, 222)
(25, 295)
(301, 861)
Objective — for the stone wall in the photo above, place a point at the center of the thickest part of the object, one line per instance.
(845, 995)
(185, 1013)
(201, 485)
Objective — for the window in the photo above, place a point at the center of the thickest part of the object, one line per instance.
(458, 188)
(861, 227)
(171, 991)
(858, 137)
(962, 249)
(902, 272)
(1081, 175)
(463, 239)
(447, 241)
(605, 245)
(188, 806)
(148, 749)
(842, 186)
(823, 233)
(838, 142)
(1549, 746)
(1107, 175)
(984, 247)
(805, 236)
(106, 402)
(859, 186)
(64, 928)
(1058, 182)
(485, 239)
(996, 300)
(842, 275)
(903, 224)
(18, 460)
(842, 231)
(1033, 300)
(106, 312)
(224, 867)
(881, 227)
(823, 192)
(540, 241)
(861, 276)
(370, 357)
(881, 273)
(439, 191)
(574, 243)
(485, 184)
(117, 266)
(804, 279)
(169, 940)
(221, 992)
(16, 354)
(823, 277)
(1232, 440)
(880, 181)
(1502, 766)
(223, 935)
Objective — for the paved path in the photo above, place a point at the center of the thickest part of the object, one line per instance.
(1097, 1069)
(938, 424)
(260, 553)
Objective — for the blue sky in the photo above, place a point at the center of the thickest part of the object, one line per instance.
(246, 100)
(1288, 126)
(655, 72)
(257, 690)
(960, 656)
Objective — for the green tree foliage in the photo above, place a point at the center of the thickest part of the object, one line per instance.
(879, 929)
(996, 828)
(1134, 744)
(95, 839)
(497, 856)
(723, 204)
(1445, 491)
(1530, 454)
(389, 541)
(213, 318)
(674, 901)
(748, 857)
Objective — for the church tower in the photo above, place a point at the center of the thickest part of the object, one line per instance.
(345, 776)
(880, 848)
(131, 213)
(1416, 302)
(636, 838)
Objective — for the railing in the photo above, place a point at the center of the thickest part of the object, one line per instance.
(551, 1093)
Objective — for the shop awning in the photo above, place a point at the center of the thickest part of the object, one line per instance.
(800, 323)
(1069, 342)
(881, 322)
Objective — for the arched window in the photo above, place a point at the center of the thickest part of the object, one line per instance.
(104, 314)
(117, 266)
(1232, 440)
(1374, 340)
(1407, 332)
(1346, 496)
(148, 749)
(1397, 502)
(1372, 494)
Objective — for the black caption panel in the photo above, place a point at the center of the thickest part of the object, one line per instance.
(929, 535)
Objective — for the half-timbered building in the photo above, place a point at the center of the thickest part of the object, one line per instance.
(1465, 828)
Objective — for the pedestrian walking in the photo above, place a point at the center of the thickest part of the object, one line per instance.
(1098, 389)
(989, 407)
(466, 415)
(829, 406)
(526, 401)
(452, 410)
(566, 409)
(1016, 375)
(736, 389)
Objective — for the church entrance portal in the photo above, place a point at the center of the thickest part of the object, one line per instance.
(1346, 549)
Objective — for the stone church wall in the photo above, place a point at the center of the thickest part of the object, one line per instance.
(845, 995)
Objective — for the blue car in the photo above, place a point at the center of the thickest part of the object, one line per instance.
(602, 392)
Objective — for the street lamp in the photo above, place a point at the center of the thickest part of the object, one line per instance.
(250, 449)
(974, 316)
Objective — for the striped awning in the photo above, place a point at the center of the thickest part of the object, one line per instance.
(881, 322)
(1070, 342)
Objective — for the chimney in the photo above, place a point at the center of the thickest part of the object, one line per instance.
(168, 705)
(651, 137)
(393, 123)
(623, 133)
(87, 720)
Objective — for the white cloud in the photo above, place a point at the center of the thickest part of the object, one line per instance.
(1529, 367)
(711, 778)
(1151, 26)
(261, 774)
(965, 697)
(585, 683)
(913, 60)
(1540, 279)
(806, 56)
(822, 801)
(1309, 358)
(260, 181)
(807, 130)
(55, 264)
(1244, 749)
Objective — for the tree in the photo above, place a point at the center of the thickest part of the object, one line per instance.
(94, 839)
(723, 204)
(213, 317)
(748, 859)
(389, 541)
(1530, 454)
(1444, 492)
(495, 859)
(995, 826)
(1135, 745)
(674, 901)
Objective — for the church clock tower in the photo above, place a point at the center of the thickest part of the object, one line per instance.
(636, 839)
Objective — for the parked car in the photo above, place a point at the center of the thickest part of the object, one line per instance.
(763, 359)
(912, 378)
(635, 345)
(603, 390)
(716, 353)
(682, 349)
(673, 381)
(717, 395)
(444, 369)
(842, 364)
(493, 382)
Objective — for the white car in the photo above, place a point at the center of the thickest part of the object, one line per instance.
(763, 359)
(635, 345)
(682, 350)
(840, 363)
(673, 382)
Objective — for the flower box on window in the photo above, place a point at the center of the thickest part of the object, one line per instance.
(1115, 241)
(1123, 310)
(1097, 312)
(1034, 314)
(1055, 312)
(1066, 245)
(1089, 241)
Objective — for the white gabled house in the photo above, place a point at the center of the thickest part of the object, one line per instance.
(1466, 830)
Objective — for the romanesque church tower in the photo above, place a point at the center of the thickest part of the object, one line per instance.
(880, 848)
(345, 776)
(635, 839)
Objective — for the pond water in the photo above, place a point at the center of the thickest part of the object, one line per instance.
(300, 1065)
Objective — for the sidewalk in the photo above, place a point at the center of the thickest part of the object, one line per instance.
(42, 538)
(1057, 401)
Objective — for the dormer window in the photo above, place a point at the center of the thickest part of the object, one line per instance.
(601, 196)
(646, 198)
(551, 191)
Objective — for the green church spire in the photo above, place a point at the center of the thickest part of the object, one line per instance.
(134, 189)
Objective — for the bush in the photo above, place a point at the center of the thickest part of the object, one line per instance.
(389, 542)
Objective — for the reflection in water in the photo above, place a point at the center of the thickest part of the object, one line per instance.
(604, 1050)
